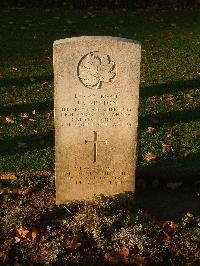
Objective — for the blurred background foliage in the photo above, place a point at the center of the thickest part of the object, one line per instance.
(132, 4)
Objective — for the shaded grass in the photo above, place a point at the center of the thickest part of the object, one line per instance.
(169, 94)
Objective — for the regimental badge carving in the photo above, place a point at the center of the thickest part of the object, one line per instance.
(95, 69)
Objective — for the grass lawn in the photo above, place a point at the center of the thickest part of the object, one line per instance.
(169, 90)
(34, 230)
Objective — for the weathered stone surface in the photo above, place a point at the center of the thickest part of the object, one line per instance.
(96, 116)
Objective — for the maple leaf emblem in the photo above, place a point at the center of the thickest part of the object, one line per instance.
(94, 69)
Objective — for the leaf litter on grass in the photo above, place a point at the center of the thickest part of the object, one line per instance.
(106, 230)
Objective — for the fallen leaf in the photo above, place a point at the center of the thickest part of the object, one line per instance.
(30, 120)
(169, 228)
(151, 129)
(190, 99)
(124, 253)
(23, 231)
(46, 82)
(196, 133)
(150, 157)
(8, 176)
(20, 102)
(6, 248)
(3, 255)
(23, 191)
(167, 148)
(169, 133)
(23, 234)
(50, 114)
(34, 233)
(17, 239)
(10, 120)
(33, 112)
(24, 115)
(169, 98)
(73, 244)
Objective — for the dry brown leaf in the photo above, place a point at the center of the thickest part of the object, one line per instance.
(6, 248)
(151, 129)
(167, 148)
(23, 234)
(150, 157)
(190, 99)
(169, 228)
(2, 255)
(169, 133)
(8, 176)
(30, 120)
(24, 191)
(10, 120)
(50, 114)
(23, 231)
(34, 233)
(73, 244)
(45, 82)
(24, 115)
(8, 191)
(124, 253)
(170, 99)
(15, 191)
(17, 239)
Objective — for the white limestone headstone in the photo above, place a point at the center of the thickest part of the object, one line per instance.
(96, 116)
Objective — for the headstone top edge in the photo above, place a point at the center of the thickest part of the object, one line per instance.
(100, 38)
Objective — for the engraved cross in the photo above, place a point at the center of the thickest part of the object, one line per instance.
(95, 141)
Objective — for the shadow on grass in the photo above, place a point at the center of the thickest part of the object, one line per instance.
(23, 144)
(155, 195)
(21, 81)
(26, 108)
(156, 90)
(171, 118)
(179, 169)
(169, 204)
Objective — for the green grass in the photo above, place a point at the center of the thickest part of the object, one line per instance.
(169, 91)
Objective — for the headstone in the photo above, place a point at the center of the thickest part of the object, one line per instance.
(96, 116)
